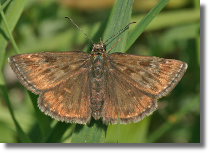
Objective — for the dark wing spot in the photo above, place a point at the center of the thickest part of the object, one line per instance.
(65, 68)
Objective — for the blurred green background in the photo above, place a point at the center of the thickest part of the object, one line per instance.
(174, 33)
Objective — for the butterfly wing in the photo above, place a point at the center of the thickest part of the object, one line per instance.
(133, 83)
(61, 79)
(44, 70)
(153, 75)
(124, 98)
(70, 100)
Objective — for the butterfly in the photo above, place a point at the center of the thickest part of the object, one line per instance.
(74, 85)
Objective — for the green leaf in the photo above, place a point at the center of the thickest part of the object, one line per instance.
(92, 133)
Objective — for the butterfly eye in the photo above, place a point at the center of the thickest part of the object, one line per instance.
(104, 47)
(91, 48)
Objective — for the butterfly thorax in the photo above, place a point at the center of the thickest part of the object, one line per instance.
(98, 53)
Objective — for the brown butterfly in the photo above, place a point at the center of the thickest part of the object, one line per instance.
(74, 85)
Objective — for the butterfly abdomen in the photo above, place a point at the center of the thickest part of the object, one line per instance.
(97, 84)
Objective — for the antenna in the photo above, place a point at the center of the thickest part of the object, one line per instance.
(119, 31)
(78, 28)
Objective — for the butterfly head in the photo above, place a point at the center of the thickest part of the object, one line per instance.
(98, 48)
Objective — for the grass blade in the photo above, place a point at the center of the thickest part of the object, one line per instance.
(136, 32)
(55, 135)
(42, 119)
(4, 5)
(3, 92)
(9, 33)
(13, 13)
(120, 17)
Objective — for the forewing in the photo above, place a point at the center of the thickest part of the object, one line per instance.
(44, 70)
(154, 76)
(70, 100)
(125, 98)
